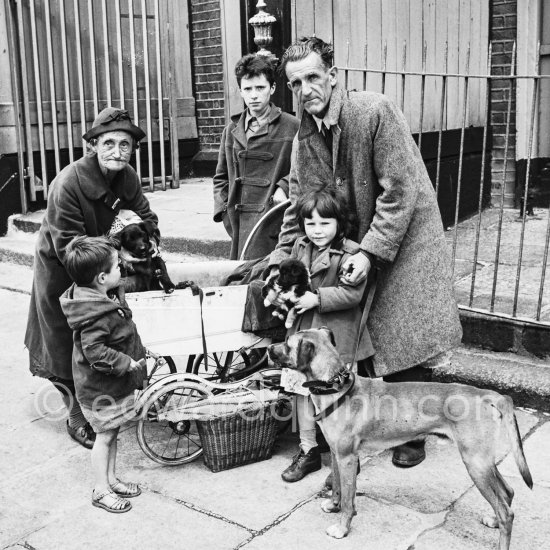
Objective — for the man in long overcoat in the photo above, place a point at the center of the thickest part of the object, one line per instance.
(254, 159)
(362, 145)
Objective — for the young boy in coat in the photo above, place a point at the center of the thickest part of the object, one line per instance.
(324, 217)
(108, 359)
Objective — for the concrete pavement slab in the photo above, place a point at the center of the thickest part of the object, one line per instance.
(537, 452)
(15, 277)
(16, 521)
(378, 525)
(252, 496)
(153, 522)
(531, 525)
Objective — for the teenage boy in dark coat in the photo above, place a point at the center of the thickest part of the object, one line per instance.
(254, 158)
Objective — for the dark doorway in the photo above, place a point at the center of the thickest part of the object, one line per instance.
(282, 37)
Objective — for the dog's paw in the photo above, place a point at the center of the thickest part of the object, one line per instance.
(490, 520)
(328, 506)
(337, 531)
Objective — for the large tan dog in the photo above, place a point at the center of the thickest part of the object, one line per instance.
(377, 416)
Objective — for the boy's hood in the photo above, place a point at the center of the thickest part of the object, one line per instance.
(81, 305)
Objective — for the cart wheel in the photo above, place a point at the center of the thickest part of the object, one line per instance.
(157, 368)
(168, 442)
(230, 366)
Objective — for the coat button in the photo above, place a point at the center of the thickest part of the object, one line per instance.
(339, 182)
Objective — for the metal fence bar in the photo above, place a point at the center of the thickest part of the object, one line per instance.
(66, 86)
(53, 95)
(481, 179)
(174, 143)
(93, 57)
(119, 54)
(384, 66)
(147, 93)
(160, 96)
(460, 160)
(15, 80)
(38, 96)
(403, 77)
(544, 261)
(525, 194)
(442, 108)
(106, 59)
(134, 79)
(79, 64)
(503, 185)
(422, 91)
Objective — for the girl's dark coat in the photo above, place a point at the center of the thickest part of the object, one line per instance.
(247, 175)
(377, 166)
(339, 308)
(79, 203)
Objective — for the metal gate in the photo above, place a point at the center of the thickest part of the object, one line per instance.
(72, 58)
(499, 254)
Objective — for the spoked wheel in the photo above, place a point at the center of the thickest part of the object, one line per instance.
(231, 366)
(157, 368)
(161, 436)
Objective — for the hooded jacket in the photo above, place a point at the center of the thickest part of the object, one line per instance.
(105, 341)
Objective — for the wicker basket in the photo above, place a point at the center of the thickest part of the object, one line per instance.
(240, 437)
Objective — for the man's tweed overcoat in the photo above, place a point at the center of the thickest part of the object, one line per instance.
(377, 166)
(79, 203)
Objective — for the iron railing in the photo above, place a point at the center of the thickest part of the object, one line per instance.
(499, 256)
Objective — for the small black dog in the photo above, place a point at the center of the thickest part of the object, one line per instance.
(151, 273)
(291, 283)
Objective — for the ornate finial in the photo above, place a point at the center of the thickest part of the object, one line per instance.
(262, 22)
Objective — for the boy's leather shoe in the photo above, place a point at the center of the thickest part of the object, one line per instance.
(328, 481)
(83, 435)
(409, 454)
(302, 465)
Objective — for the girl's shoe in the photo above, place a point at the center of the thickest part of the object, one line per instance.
(302, 465)
(111, 502)
(126, 489)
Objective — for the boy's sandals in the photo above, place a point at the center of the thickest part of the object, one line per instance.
(126, 489)
(110, 501)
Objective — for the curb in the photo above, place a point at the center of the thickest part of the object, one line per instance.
(212, 249)
(526, 381)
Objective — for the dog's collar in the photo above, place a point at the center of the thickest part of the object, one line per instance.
(335, 404)
(334, 385)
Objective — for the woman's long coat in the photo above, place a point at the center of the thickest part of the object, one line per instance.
(339, 305)
(377, 166)
(248, 174)
(79, 203)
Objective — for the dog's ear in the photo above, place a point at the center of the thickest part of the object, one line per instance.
(330, 335)
(149, 227)
(304, 352)
(115, 241)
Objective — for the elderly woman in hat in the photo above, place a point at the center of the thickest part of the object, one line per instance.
(84, 199)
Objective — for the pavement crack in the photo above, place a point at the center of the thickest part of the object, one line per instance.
(200, 510)
(13, 289)
(278, 520)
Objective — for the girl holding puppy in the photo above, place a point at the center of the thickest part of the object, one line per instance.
(324, 217)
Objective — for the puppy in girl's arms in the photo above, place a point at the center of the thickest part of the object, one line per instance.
(288, 285)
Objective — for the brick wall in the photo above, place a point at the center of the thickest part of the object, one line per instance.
(502, 34)
(208, 71)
